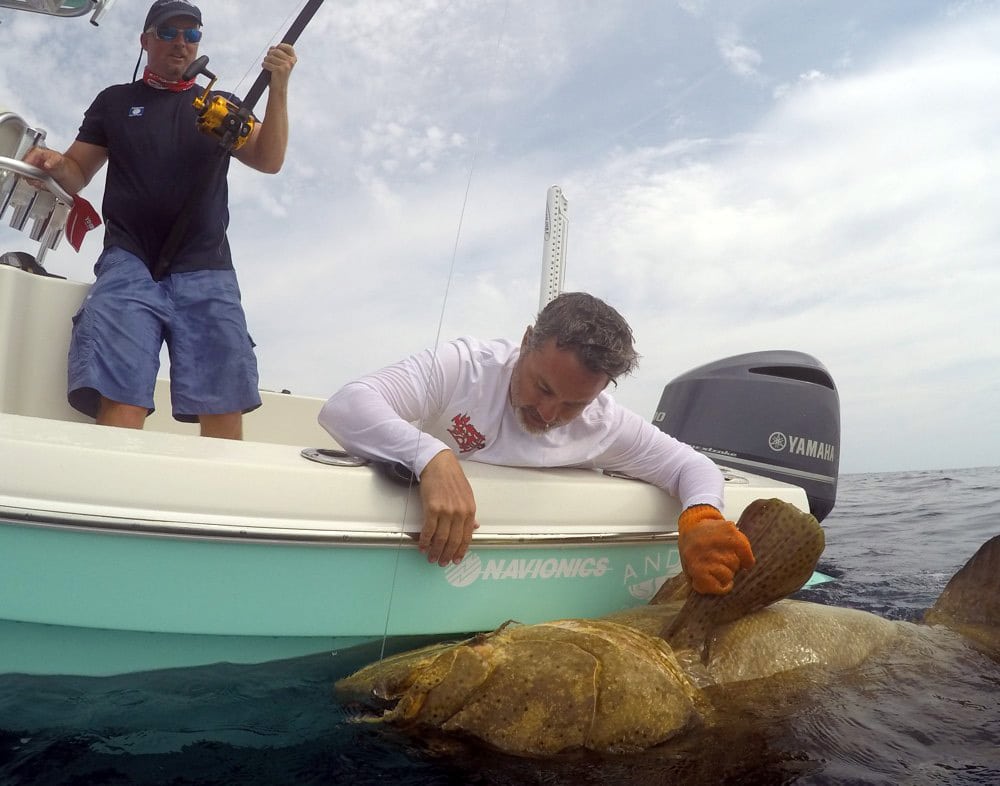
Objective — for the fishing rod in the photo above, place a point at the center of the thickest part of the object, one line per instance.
(229, 120)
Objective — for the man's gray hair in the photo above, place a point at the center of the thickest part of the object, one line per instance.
(599, 335)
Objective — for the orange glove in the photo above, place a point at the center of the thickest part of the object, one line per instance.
(712, 549)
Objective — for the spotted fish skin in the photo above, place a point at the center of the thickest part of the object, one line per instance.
(970, 603)
(614, 685)
(787, 543)
(540, 689)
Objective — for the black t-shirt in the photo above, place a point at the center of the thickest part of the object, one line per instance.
(156, 159)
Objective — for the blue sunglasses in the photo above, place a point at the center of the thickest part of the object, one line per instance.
(191, 34)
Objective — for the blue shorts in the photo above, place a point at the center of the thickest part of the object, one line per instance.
(126, 317)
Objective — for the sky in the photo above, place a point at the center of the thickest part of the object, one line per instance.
(813, 175)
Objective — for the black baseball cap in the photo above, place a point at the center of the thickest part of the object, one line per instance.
(162, 10)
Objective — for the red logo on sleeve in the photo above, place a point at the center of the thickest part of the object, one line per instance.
(466, 435)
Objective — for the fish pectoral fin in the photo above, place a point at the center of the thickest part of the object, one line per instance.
(686, 631)
(972, 596)
(675, 588)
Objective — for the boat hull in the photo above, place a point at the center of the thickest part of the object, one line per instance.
(90, 602)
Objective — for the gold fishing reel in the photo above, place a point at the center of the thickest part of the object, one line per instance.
(225, 119)
(219, 116)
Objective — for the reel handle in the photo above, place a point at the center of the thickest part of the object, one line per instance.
(197, 67)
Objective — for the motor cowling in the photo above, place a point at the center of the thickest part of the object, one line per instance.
(773, 413)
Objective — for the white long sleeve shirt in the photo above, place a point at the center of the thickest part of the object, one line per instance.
(458, 400)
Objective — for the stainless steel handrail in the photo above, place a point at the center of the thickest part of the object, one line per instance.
(10, 516)
(62, 8)
(34, 173)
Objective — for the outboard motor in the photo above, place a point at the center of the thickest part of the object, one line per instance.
(775, 414)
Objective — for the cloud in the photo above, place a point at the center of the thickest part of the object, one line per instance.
(839, 205)
(804, 80)
(743, 60)
(856, 221)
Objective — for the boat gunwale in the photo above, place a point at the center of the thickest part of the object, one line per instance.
(182, 530)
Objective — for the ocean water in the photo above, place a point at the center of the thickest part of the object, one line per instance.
(925, 715)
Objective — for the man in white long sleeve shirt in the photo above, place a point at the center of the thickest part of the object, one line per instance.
(541, 404)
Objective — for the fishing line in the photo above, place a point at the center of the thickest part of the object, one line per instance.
(440, 325)
(253, 67)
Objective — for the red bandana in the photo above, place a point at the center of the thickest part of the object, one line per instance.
(157, 81)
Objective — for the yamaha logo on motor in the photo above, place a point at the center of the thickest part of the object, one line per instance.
(801, 446)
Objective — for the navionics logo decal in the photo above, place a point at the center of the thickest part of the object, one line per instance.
(801, 446)
(472, 569)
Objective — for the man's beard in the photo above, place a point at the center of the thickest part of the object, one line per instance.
(531, 426)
